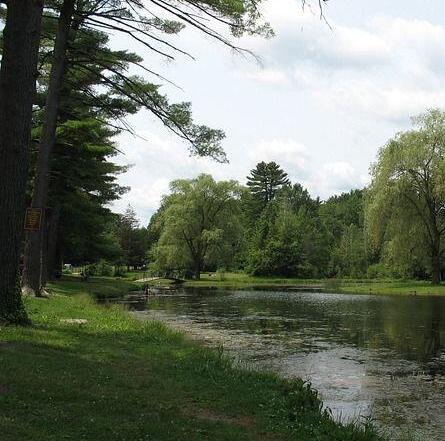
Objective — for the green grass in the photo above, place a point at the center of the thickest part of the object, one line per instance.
(392, 287)
(116, 378)
(241, 280)
(351, 286)
(97, 287)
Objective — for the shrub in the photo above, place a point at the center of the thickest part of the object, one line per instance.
(379, 271)
(119, 271)
(221, 273)
(104, 269)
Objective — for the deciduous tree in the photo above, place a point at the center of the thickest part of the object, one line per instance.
(407, 193)
(200, 224)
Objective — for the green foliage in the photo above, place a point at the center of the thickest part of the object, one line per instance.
(291, 235)
(288, 239)
(406, 199)
(100, 269)
(132, 240)
(342, 217)
(265, 180)
(379, 271)
(200, 225)
(349, 258)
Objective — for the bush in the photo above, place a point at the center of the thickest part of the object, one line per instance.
(379, 271)
(99, 269)
(119, 271)
(104, 269)
(221, 273)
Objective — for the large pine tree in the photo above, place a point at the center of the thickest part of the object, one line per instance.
(265, 180)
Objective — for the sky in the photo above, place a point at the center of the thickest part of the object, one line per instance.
(321, 102)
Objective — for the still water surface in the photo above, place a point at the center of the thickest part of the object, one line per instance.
(368, 356)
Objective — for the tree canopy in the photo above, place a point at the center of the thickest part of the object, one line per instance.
(265, 180)
(200, 225)
(406, 199)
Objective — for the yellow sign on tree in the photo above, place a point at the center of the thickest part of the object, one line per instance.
(33, 219)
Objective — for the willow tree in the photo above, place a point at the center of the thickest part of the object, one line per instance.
(200, 224)
(406, 199)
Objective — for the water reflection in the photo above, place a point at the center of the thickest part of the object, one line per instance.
(367, 355)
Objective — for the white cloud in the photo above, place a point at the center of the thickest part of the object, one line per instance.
(267, 76)
(335, 178)
(291, 155)
(155, 162)
(321, 106)
(390, 69)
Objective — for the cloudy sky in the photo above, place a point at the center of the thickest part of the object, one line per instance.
(321, 103)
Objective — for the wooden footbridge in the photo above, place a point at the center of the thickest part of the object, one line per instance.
(175, 280)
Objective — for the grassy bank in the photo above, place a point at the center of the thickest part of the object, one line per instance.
(364, 286)
(96, 287)
(392, 287)
(241, 280)
(115, 378)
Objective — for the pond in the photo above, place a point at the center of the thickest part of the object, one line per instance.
(368, 356)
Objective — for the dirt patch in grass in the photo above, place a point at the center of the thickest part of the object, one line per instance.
(210, 415)
(242, 421)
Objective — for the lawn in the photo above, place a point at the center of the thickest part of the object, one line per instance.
(117, 378)
(96, 287)
(242, 280)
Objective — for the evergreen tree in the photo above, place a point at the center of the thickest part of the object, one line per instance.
(82, 184)
(82, 180)
(289, 239)
(132, 239)
(265, 180)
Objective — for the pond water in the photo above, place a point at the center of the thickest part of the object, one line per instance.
(368, 356)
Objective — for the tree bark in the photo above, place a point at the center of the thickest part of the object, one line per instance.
(32, 276)
(198, 268)
(51, 263)
(436, 273)
(18, 73)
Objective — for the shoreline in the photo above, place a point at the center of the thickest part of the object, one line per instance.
(131, 380)
(337, 286)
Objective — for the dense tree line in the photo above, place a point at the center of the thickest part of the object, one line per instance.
(270, 227)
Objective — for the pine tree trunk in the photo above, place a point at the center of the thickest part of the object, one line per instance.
(44, 271)
(21, 37)
(34, 253)
(52, 261)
